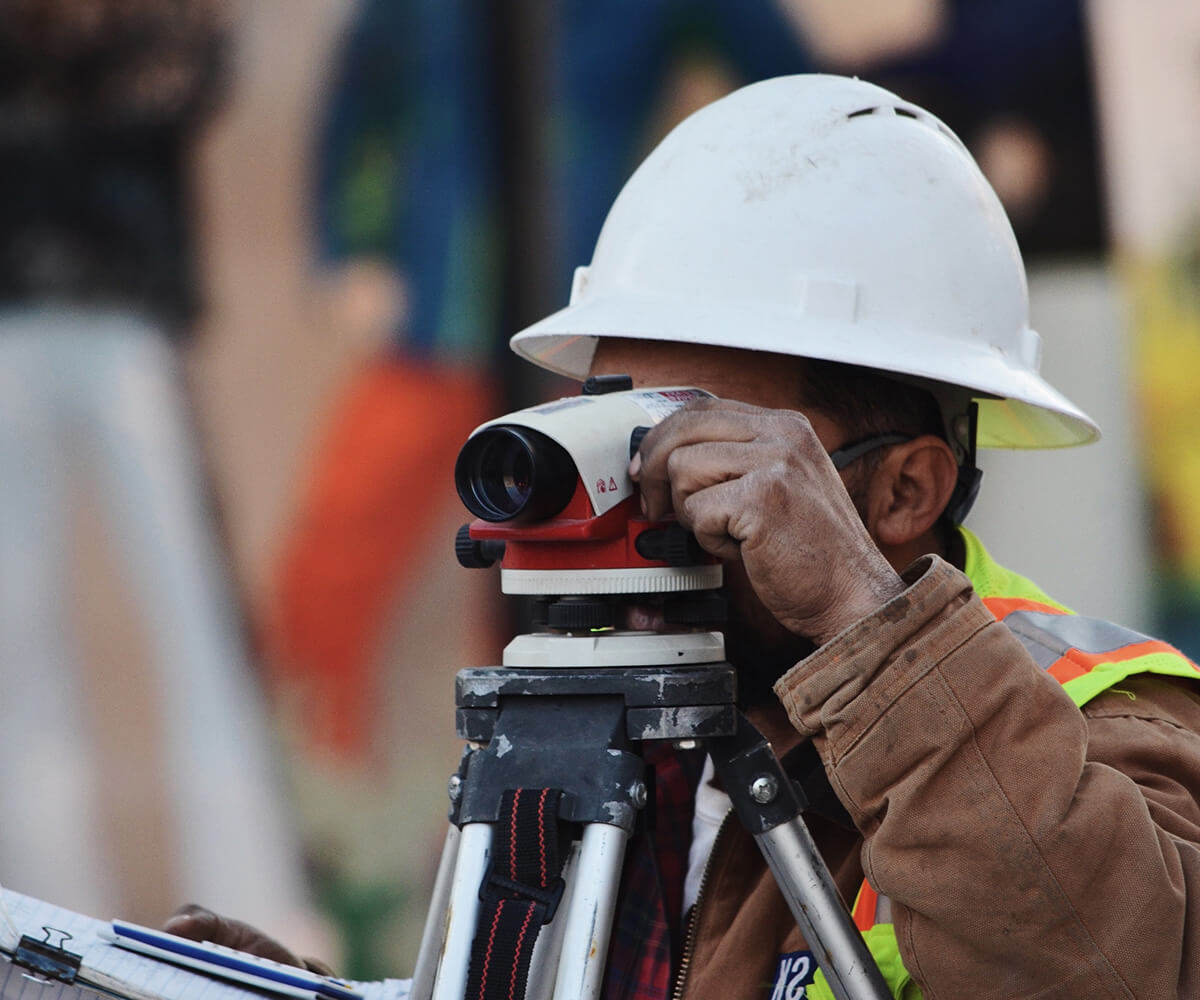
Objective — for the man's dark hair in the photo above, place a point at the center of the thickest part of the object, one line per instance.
(866, 403)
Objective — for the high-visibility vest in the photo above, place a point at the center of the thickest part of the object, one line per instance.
(1085, 655)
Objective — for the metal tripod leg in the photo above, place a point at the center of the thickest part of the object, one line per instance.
(473, 852)
(430, 952)
(820, 913)
(589, 918)
(769, 807)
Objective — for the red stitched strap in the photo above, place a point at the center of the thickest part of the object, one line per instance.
(519, 894)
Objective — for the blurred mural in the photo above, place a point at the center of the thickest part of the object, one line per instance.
(100, 107)
(1016, 81)
(1148, 80)
(386, 190)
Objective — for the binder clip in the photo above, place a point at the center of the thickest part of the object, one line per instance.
(47, 959)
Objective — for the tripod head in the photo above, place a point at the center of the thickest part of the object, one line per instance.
(555, 506)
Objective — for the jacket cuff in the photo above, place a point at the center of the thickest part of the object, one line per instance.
(842, 689)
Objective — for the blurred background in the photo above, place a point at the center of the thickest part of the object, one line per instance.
(259, 260)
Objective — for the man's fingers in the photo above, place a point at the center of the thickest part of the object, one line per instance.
(682, 454)
(707, 516)
(193, 921)
(200, 924)
(699, 467)
(702, 420)
(690, 469)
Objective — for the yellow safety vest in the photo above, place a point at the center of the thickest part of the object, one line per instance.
(1085, 655)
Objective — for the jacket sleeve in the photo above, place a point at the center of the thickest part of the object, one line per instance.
(1028, 848)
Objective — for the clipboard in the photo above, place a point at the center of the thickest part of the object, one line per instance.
(48, 952)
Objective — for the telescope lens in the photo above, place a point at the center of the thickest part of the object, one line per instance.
(512, 469)
(506, 473)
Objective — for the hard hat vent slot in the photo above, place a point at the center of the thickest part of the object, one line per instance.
(913, 113)
(897, 110)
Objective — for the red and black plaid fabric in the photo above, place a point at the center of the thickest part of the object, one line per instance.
(647, 932)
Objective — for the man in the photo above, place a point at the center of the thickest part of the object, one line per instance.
(1019, 787)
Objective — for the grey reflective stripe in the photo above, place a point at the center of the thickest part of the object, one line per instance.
(1047, 637)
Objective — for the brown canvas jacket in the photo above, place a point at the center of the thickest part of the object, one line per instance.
(1029, 849)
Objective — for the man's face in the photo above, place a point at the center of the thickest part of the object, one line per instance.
(756, 643)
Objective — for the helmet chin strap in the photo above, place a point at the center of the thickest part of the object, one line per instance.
(962, 438)
(966, 489)
(960, 423)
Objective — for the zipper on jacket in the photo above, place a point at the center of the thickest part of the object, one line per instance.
(689, 940)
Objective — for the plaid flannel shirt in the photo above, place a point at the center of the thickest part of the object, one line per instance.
(647, 928)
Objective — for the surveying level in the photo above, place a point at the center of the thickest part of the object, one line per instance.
(552, 783)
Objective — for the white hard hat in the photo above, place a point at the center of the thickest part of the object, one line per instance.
(823, 217)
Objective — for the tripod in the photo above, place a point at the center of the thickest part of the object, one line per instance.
(563, 719)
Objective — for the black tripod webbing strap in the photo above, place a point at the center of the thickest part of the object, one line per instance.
(520, 892)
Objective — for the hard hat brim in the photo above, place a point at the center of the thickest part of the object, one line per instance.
(1017, 408)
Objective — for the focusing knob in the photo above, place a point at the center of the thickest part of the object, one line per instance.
(635, 439)
(475, 553)
(671, 544)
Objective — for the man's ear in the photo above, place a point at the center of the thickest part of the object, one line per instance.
(910, 490)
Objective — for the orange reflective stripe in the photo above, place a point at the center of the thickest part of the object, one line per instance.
(1077, 663)
(1002, 607)
(1066, 669)
(865, 907)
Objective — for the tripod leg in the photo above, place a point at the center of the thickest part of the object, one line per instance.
(589, 918)
(475, 842)
(769, 807)
(820, 912)
(435, 920)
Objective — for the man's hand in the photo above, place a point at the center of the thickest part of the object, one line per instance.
(757, 484)
(198, 924)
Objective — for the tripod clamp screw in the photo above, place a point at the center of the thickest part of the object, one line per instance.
(763, 789)
(454, 787)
